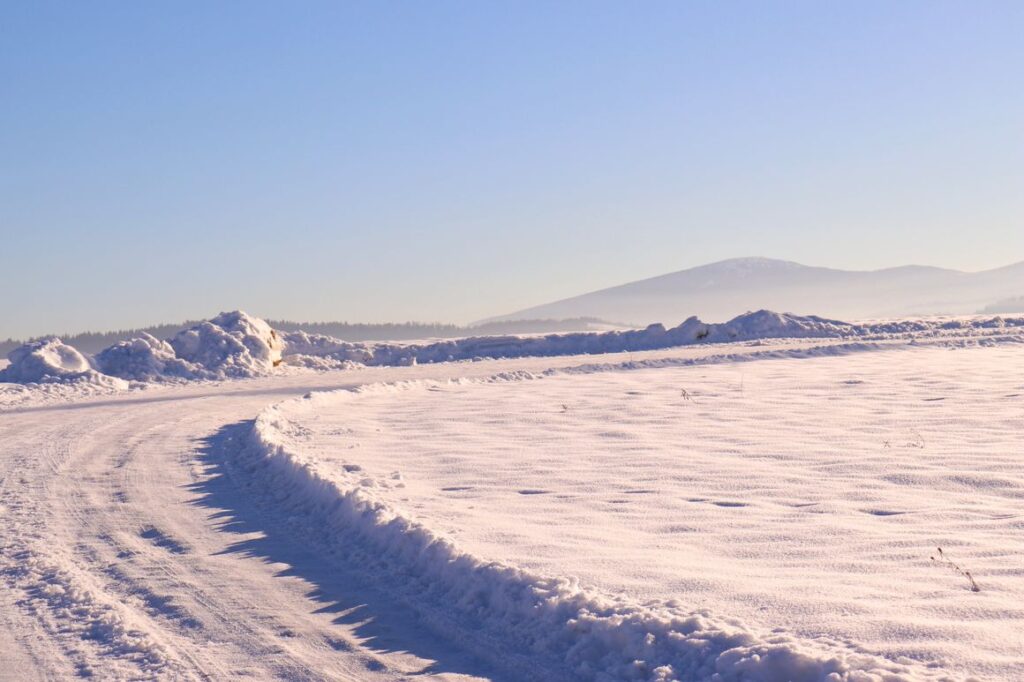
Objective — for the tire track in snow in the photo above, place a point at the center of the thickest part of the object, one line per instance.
(120, 570)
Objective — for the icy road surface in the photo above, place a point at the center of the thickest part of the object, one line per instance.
(800, 495)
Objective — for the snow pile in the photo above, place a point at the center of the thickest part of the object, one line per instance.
(146, 358)
(300, 344)
(548, 628)
(765, 324)
(233, 344)
(237, 345)
(51, 361)
(320, 364)
(762, 324)
(230, 345)
(655, 337)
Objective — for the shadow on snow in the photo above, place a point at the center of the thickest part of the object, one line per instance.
(382, 622)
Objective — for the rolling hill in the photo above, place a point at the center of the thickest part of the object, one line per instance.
(722, 290)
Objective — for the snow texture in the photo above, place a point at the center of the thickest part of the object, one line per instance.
(145, 358)
(564, 631)
(49, 361)
(756, 510)
(230, 345)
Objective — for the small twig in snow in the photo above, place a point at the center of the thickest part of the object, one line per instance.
(943, 559)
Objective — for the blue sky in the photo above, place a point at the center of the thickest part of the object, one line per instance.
(456, 160)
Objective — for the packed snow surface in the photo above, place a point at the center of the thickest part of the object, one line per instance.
(760, 509)
(803, 498)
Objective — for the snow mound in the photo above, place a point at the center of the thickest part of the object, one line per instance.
(300, 343)
(146, 358)
(757, 325)
(51, 361)
(237, 345)
(765, 324)
(320, 363)
(540, 627)
(230, 345)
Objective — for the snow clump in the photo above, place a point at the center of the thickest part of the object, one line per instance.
(51, 361)
(230, 345)
(145, 358)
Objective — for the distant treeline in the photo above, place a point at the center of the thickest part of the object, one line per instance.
(409, 331)
(93, 342)
(1006, 306)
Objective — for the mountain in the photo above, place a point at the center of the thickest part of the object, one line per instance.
(722, 290)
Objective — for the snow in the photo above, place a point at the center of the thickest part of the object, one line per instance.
(49, 361)
(301, 343)
(757, 510)
(230, 345)
(573, 633)
(762, 324)
(609, 522)
(146, 358)
(236, 345)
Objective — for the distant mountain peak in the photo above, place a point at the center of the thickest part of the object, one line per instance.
(754, 262)
(726, 288)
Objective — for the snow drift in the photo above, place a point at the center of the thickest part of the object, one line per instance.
(236, 345)
(762, 324)
(540, 627)
(303, 344)
(52, 361)
(230, 345)
(146, 358)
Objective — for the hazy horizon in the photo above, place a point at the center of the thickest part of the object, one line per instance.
(527, 314)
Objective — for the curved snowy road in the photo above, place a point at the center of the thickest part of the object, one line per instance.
(128, 552)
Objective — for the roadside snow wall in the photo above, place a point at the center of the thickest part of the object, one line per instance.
(146, 358)
(237, 345)
(51, 361)
(230, 345)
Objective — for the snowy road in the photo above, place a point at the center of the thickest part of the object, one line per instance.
(129, 549)
(127, 552)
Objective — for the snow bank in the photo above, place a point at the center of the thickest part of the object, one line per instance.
(762, 324)
(230, 345)
(765, 324)
(237, 345)
(51, 361)
(146, 358)
(303, 344)
(539, 627)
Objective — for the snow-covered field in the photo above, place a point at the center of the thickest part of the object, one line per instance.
(759, 510)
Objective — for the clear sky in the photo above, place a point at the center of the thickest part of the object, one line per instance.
(449, 161)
